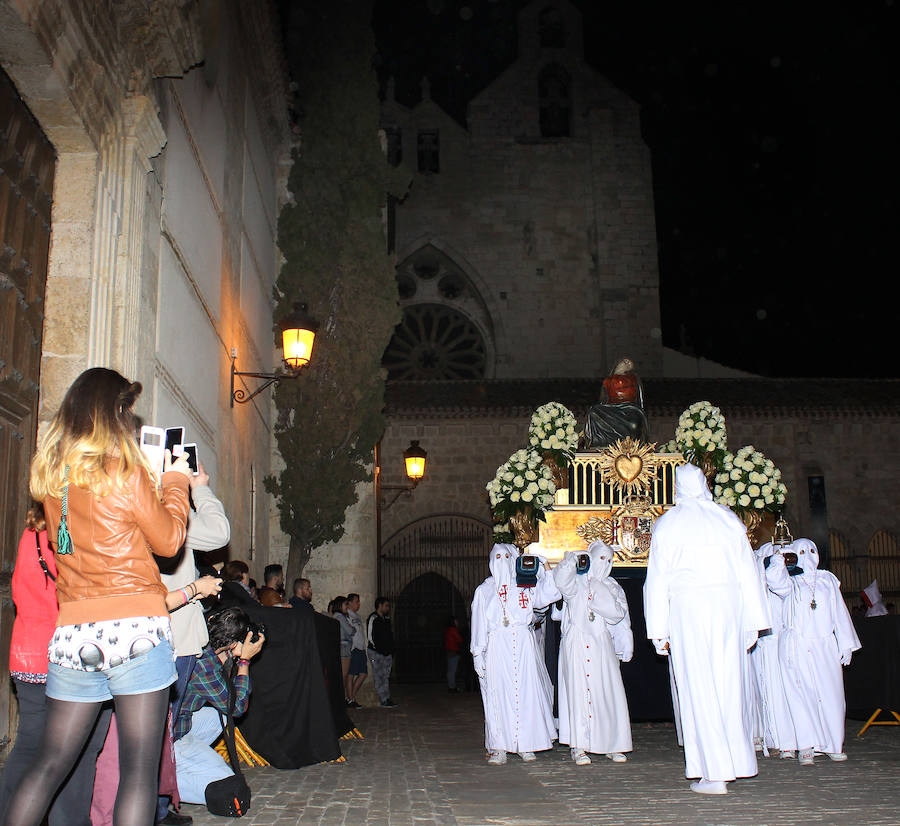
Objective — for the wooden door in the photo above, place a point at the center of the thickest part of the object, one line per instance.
(27, 163)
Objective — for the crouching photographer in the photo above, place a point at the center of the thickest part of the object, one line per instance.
(219, 688)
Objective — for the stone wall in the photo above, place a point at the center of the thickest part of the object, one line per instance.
(168, 186)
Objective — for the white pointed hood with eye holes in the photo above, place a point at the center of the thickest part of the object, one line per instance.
(503, 564)
(601, 559)
(807, 554)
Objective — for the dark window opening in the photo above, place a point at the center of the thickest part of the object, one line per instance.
(429, 146)
(394, 145)
(550, 26)
(555, 102)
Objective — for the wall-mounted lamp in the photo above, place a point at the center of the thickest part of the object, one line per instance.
(414, 459)
(298, 334)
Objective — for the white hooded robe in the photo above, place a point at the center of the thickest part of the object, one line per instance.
(515, 687)
(776, 726)
(593, 710)
(704, 596)
(812, 642)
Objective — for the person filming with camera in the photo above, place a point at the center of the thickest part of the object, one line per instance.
(221, 675)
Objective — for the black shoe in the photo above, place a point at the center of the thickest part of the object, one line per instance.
(348, 703)
(175, 819)
(388, 703)
(354, 704)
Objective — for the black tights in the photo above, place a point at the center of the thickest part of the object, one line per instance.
(140, 719)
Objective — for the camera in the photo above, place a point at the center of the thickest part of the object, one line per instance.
(257, 630)
(582, 563)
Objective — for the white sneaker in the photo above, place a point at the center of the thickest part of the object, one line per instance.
(497, 758)
(837, 756)
(527, 756)
(787, 754)
(580, 757)
(709, 787)
(807, 757)
(617, 757)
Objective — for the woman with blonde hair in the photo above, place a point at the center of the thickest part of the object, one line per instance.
(106, 519)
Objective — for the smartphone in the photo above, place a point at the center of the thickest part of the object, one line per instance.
(190, 453)
(175, 440)
(153, 443)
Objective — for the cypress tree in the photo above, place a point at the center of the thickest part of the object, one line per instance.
(335, 260)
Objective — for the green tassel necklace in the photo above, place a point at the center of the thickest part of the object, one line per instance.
(63, 540)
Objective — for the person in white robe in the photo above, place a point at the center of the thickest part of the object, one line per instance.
(817, 638)
(515, 687)
(774, 715)
(593, 710)
(704, 605)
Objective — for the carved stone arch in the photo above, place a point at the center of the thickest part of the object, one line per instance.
(448, 330)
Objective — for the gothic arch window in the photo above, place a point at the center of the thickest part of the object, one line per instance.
(435, 342)
(446, 331)
(551, 29)
(554, 94)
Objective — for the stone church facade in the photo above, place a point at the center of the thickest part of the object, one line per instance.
(527, 265)
(160, 134)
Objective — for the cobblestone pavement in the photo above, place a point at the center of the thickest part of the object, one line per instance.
(423, 763)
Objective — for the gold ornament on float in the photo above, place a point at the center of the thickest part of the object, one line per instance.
(628, 465)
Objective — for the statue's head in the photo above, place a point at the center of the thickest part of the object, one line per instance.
(625, 365)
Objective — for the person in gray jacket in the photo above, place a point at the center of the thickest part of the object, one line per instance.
(208, 529)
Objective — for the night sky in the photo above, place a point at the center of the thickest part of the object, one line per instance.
(775, 138)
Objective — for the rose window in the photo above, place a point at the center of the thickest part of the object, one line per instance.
(435, 342)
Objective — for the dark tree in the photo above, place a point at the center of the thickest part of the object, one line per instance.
(333, 240)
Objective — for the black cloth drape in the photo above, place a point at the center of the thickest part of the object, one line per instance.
(289, 721)
(872, 680)
(328, 633)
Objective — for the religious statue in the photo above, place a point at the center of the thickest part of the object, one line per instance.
(620, 413)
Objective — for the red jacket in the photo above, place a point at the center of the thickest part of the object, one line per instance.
(34, 594)
(453, 640)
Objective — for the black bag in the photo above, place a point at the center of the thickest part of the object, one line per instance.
(230, 796)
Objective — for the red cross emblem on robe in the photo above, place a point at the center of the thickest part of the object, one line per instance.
(501, 592)
(523, 598)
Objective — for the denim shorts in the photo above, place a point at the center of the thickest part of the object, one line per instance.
(148, 672)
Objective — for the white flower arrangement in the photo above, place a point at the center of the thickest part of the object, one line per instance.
(554, 428)
(701, 431)
(749, 481)
(669, 447)
(522, 481)
(503, 533)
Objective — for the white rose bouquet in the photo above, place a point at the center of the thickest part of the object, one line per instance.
(553, 428)
(522, 482)
(701, 433)
(749, 481)
(503, 533)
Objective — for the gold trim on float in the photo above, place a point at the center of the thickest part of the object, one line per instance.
(629, 465)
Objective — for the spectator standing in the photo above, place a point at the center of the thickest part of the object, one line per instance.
(358, 672)
(34, 595)
(302, 593)
(453, 645)
(381, 649)
(236, 570)
(339, 608)
(208, 529)
(113, 638)
(273, 576)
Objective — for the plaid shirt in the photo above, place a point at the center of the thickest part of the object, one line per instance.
(208, 687)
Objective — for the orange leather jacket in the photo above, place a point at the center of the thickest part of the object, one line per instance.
(111, 572)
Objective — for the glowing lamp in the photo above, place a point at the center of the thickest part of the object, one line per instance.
(298, 334)
(414, 457)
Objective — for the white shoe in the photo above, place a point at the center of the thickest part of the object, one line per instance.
(497, 758)
(787, 754)
(709, 787)
(527, 756)
(837, 756)
(617, 757)
(757, 743)
(580, 757)
(807, 757)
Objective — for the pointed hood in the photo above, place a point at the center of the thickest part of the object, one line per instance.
(807, 554)
(601, 559)
(690, 485)
(502, 563)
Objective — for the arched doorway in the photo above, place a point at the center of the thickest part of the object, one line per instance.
(420, 614)
(429, 569)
